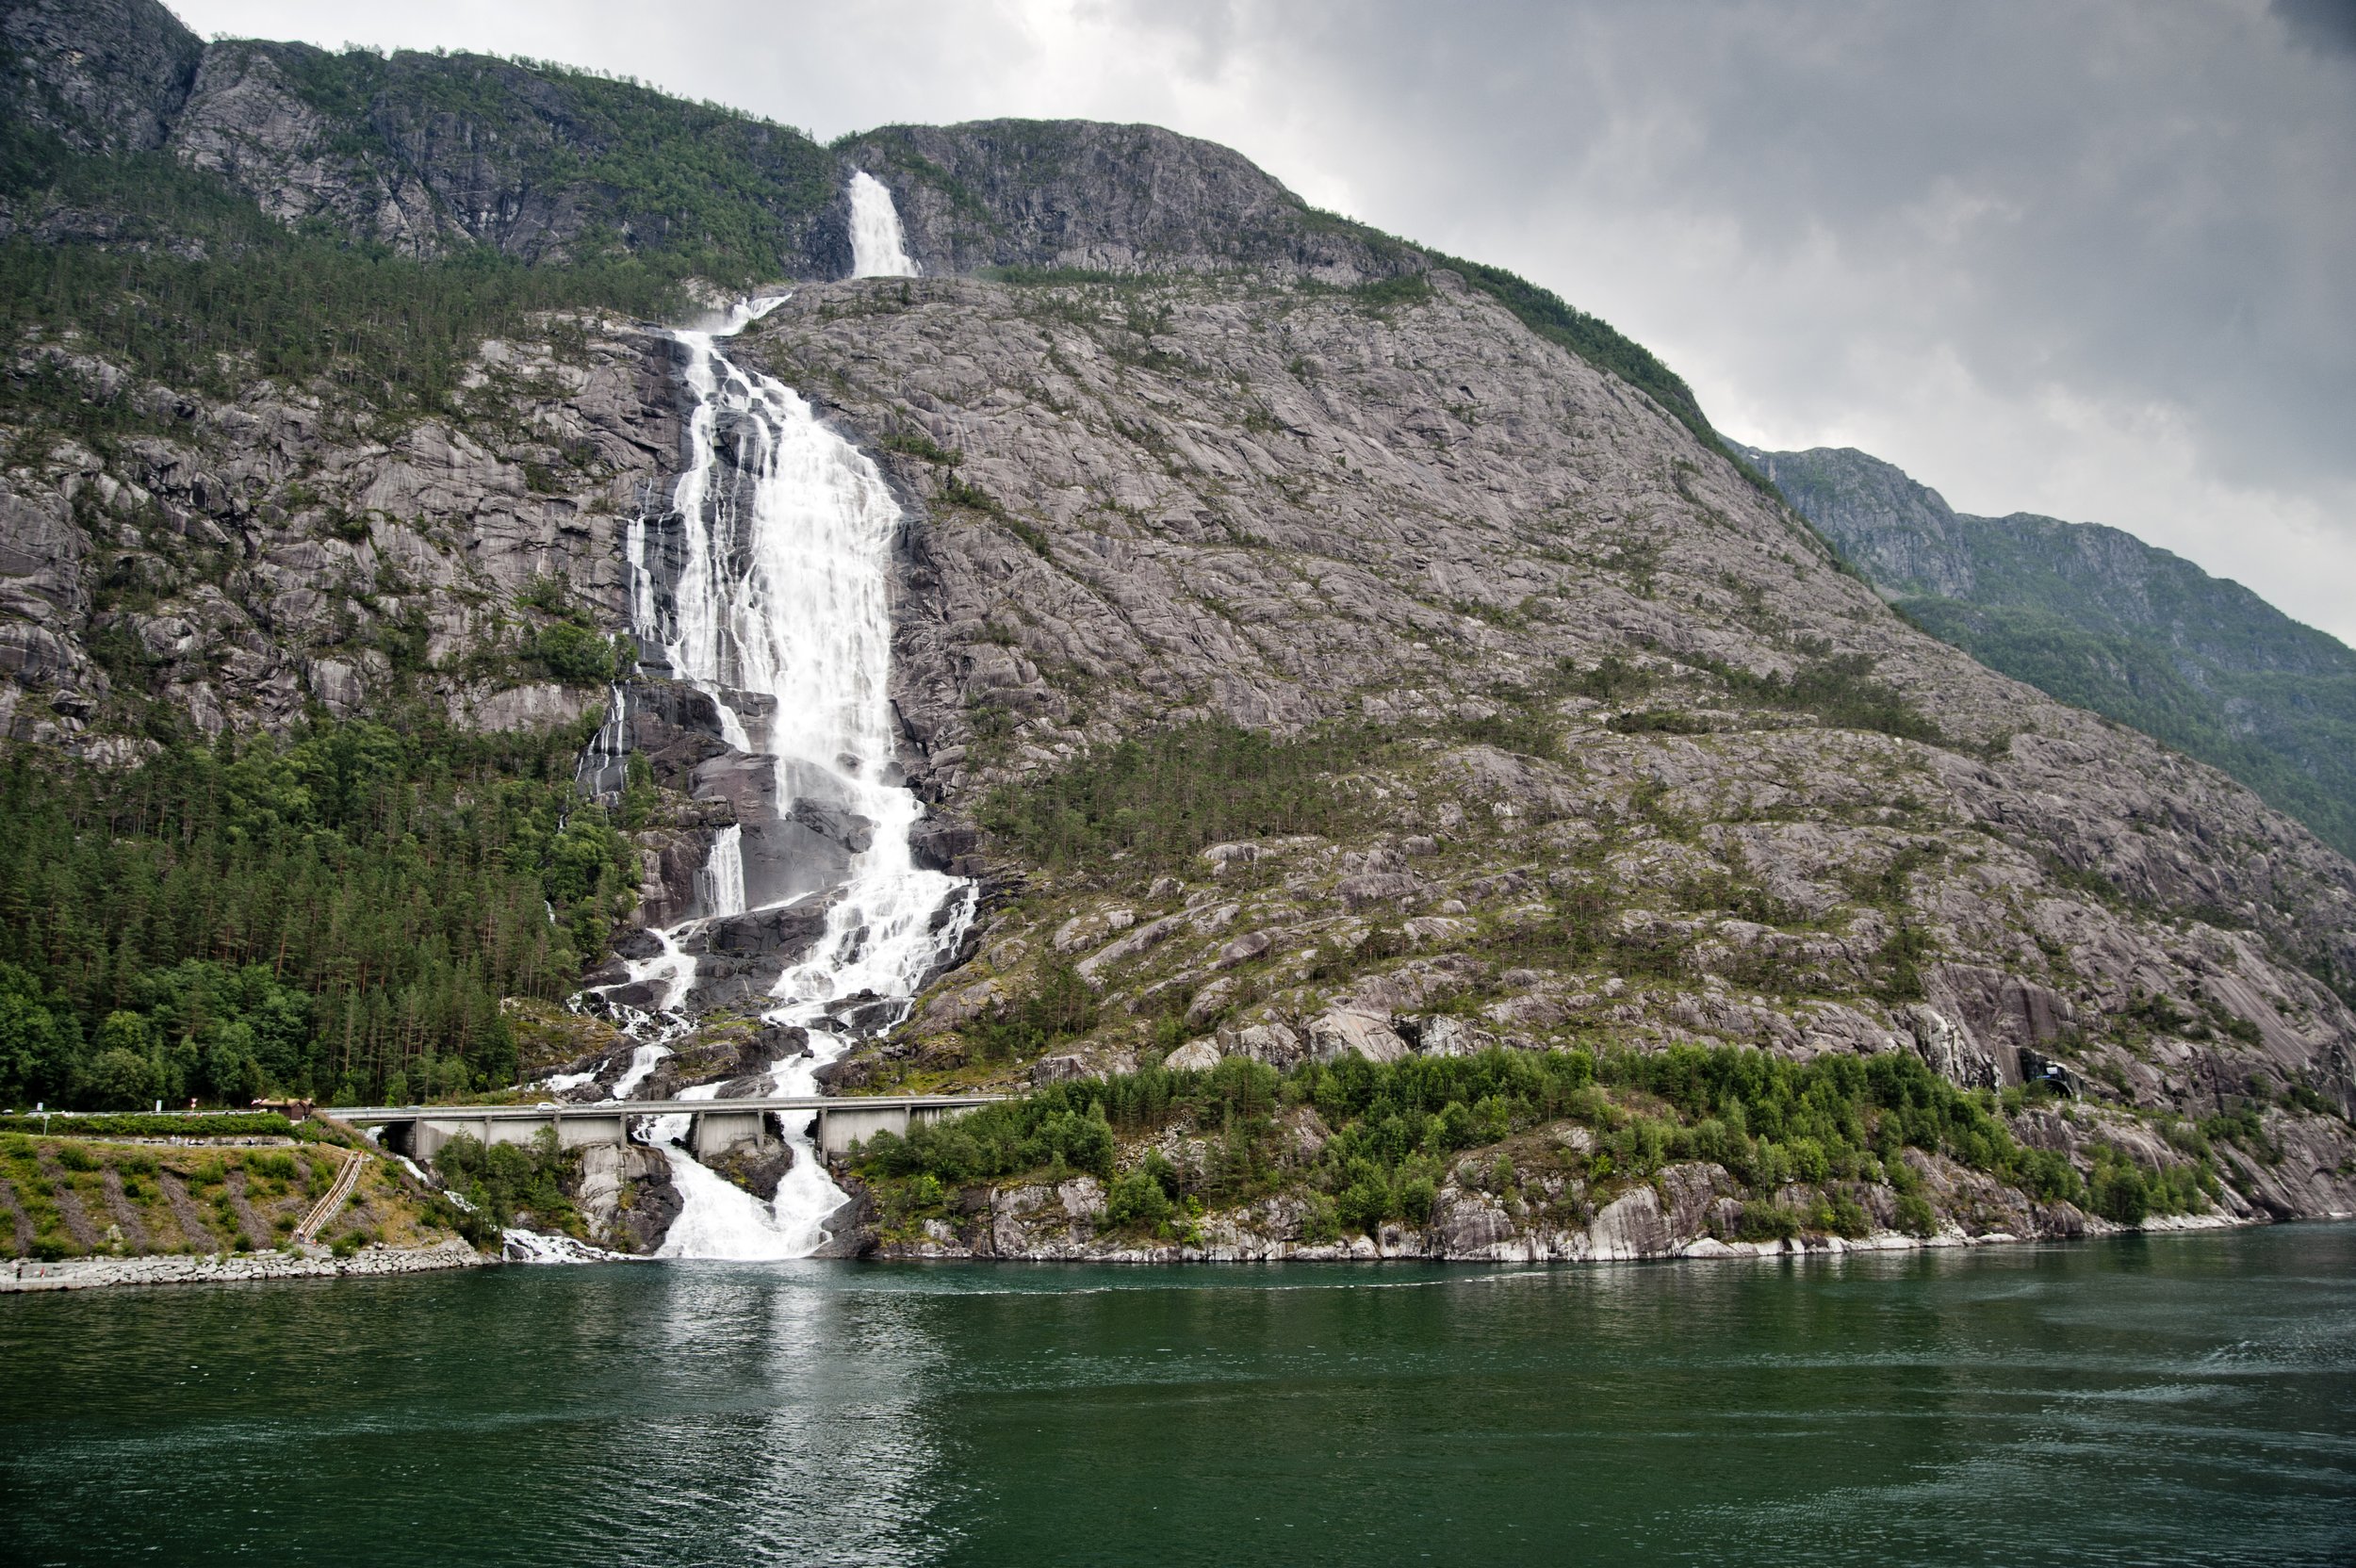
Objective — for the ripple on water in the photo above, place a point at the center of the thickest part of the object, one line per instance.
(2106, 1403)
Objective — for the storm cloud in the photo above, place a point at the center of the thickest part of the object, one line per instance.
(2096, 260)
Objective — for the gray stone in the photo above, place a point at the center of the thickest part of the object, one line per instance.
(1346, 1033)
(1194, 1056)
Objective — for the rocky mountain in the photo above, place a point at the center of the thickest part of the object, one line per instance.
(1322, 650)
(2102, 620)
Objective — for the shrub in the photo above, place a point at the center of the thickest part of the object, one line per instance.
(1766, 1221)
(117, 1078)
(1849, 1218)
(2049, 1177)
(575, 654)
(74, 1157)
(1323, 1222)
(2123, 1192)
(1416, 1195)
(1138, 1200)
(1915, 1216)
(1059, 1005)
(505, 1178)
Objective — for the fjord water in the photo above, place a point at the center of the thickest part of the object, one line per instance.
(2172, 1399)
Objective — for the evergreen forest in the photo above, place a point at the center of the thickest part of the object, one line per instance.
(337, 916)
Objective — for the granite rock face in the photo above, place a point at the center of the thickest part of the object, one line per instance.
(429, 154)
(626, 1195)
(104, 75)
(1276, 506)
(249, 558)
(1072, 194)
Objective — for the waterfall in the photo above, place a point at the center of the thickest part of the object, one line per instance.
(878, 250)
(720, 886)
(772, 600)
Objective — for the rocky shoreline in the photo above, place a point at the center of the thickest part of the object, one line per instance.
(1234, 1245)
(24, 1274)
(1691, 1210)
(1566, 1247)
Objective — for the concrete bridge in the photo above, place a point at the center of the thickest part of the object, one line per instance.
(713, 1125)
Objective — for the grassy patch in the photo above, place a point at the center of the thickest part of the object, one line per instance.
(224, 1125)
(82, 1196)
(1839, 690)
(1162, 796)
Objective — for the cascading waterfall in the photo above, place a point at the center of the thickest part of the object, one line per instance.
(720, 886)
(879, 249)
(777, 610)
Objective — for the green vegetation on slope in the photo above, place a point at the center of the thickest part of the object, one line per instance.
(338, 917)
(508, 1184)
(2290, 736)
(80, 1197)
(135, 1124)
(201, 292)
(1162, 796)
(1393, 1135)
(2098, 619)
(716, 191)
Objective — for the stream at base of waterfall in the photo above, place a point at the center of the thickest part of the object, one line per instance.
(764, 586)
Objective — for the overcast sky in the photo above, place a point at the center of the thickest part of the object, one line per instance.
(2094, 260)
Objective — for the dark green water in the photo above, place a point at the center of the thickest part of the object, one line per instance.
(2146, 1400)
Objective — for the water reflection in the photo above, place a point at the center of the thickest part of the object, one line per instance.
(2194, 1402)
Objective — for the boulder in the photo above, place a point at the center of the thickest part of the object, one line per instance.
(1242, 950)
(956, 1008)
(1949, 1049)
(1194, 1056)
(1469, 1223)
(1273, 1043)
(1445, 1034)
(1058, 1070)
(1210, 1002)
(783, 932)
(1631, 1226)
(1345, 1032)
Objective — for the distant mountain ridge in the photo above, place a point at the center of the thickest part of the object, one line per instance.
(462, 156)
(2100, 619)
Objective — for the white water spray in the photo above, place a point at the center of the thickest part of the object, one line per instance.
(778, 611)
(879, 249)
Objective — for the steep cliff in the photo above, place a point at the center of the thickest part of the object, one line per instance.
(1322, 650)
(103, 75)
(1591, 671)
(2100, 619)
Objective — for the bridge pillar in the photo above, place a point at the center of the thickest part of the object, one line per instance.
(839, 1127)
(711, 1132)
(579, 1131)
(428, 1135)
